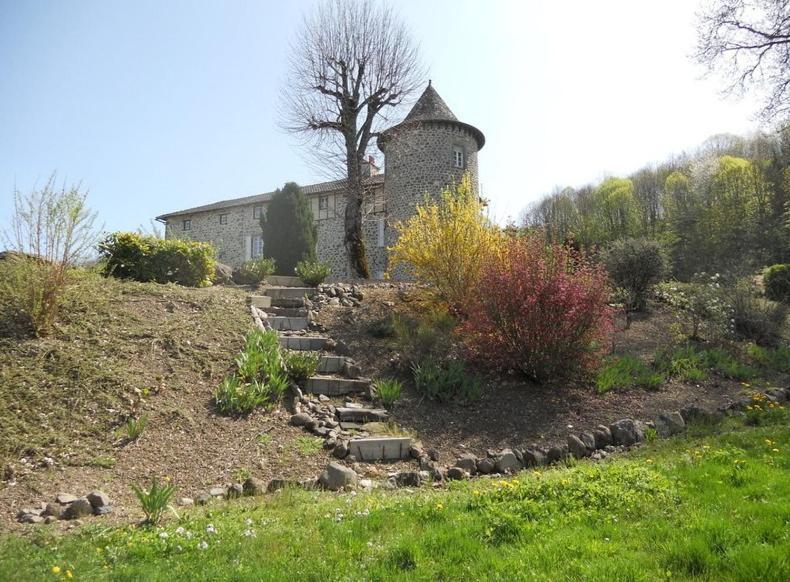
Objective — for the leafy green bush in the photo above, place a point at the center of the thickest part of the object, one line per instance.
(425, 336)
(627, 372)
(155, 500)
(776, 281)
(387, 390)
(699, 304)
(635, 265)
(754, 317)
(254, 271)
(312, 273)
(260, 376)
(777, 359)
(129, 255)
(300, 365)
(443, 380)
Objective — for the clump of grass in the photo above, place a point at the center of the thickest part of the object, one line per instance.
(312, 273)
(726, 365)
(154, 501)
(627, 372)
(102, 461)
(300, 365)
(383, 327)
(388, 390)
(308, 446)
(260, 376)
(135, 427)
(777, 359)
(685, 364)
(444, 380)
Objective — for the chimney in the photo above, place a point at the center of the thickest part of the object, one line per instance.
(369, 168)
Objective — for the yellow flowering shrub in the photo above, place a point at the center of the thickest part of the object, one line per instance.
(446, 242)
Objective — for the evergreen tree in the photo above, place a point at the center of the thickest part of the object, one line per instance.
(289, 235)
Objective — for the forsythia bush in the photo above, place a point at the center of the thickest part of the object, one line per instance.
(445, 244)
(543, 311)
(146, 258)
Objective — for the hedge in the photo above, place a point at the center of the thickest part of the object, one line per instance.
(129, 255)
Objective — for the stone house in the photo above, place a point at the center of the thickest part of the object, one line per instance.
(429, 149)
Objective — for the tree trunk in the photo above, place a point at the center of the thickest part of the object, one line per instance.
(354, 241)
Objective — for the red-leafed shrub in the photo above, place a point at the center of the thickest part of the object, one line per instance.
(540, 309)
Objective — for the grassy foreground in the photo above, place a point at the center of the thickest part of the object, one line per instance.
(714, 504)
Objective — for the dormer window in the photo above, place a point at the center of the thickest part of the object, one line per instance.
(458, 157)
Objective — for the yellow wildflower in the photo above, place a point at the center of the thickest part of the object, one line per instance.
(68, 574)
(56, 569)
(775, 450)
(439, 506)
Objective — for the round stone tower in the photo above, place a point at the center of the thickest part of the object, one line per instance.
(427, 151)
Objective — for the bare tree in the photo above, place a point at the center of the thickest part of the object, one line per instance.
(749, 42)
(353, 62)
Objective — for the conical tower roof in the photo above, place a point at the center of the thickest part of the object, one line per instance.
(430, 108)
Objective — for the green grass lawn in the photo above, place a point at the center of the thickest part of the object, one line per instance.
(712, 505)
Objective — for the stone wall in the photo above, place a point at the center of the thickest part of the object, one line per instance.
(233, 240)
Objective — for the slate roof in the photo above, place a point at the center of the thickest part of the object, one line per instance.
(311, 189)
(430, 108)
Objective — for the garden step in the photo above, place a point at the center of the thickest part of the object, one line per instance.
(380, 448)
(288, 292)
(303, 342)
(331, 364)
(288, 323)
(286, 311)
(284, 281)
(260, 301)
(362, 414)
(287, 303)
(333, 386)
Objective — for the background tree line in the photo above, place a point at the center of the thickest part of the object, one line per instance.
(724, 207)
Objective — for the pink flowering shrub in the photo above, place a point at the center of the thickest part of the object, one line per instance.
(540, 309)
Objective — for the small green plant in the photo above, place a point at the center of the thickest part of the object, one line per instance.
(726, 365)
(312, 273)
(446, 380)
(388, 390)
(241, 474)
(383, 327)
(308, 446)
(260, 377)
(627, 372)
(651, 434)
(776, 281)
(778, 359)
(761, 411)
(264, 439)
(300, 365)
(254, 271)
(103, 462)
(684, 364)
(154, 501)
(135, 427)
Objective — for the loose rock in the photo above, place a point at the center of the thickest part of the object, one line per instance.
(337, 476)
(626, 432)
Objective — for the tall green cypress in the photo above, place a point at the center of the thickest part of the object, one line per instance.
(289, 235)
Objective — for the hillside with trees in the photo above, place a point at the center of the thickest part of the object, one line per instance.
(723, 207)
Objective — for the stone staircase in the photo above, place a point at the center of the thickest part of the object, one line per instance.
(281, 307)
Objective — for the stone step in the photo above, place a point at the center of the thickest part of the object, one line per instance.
(380, 448)
(284, 281)
(334, 386)
(286, 302)
(288, 292)
(362, 414)
(331, 364)
(286, 311)
(260, 301)
(287, 323)
(303, 342)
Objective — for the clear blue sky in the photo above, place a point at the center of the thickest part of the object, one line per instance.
(161, 105)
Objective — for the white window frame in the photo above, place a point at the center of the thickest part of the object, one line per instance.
(257, 211)
(256, 246)
(381, 238)
(459, 159)
(186, 224)
(323, 203)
